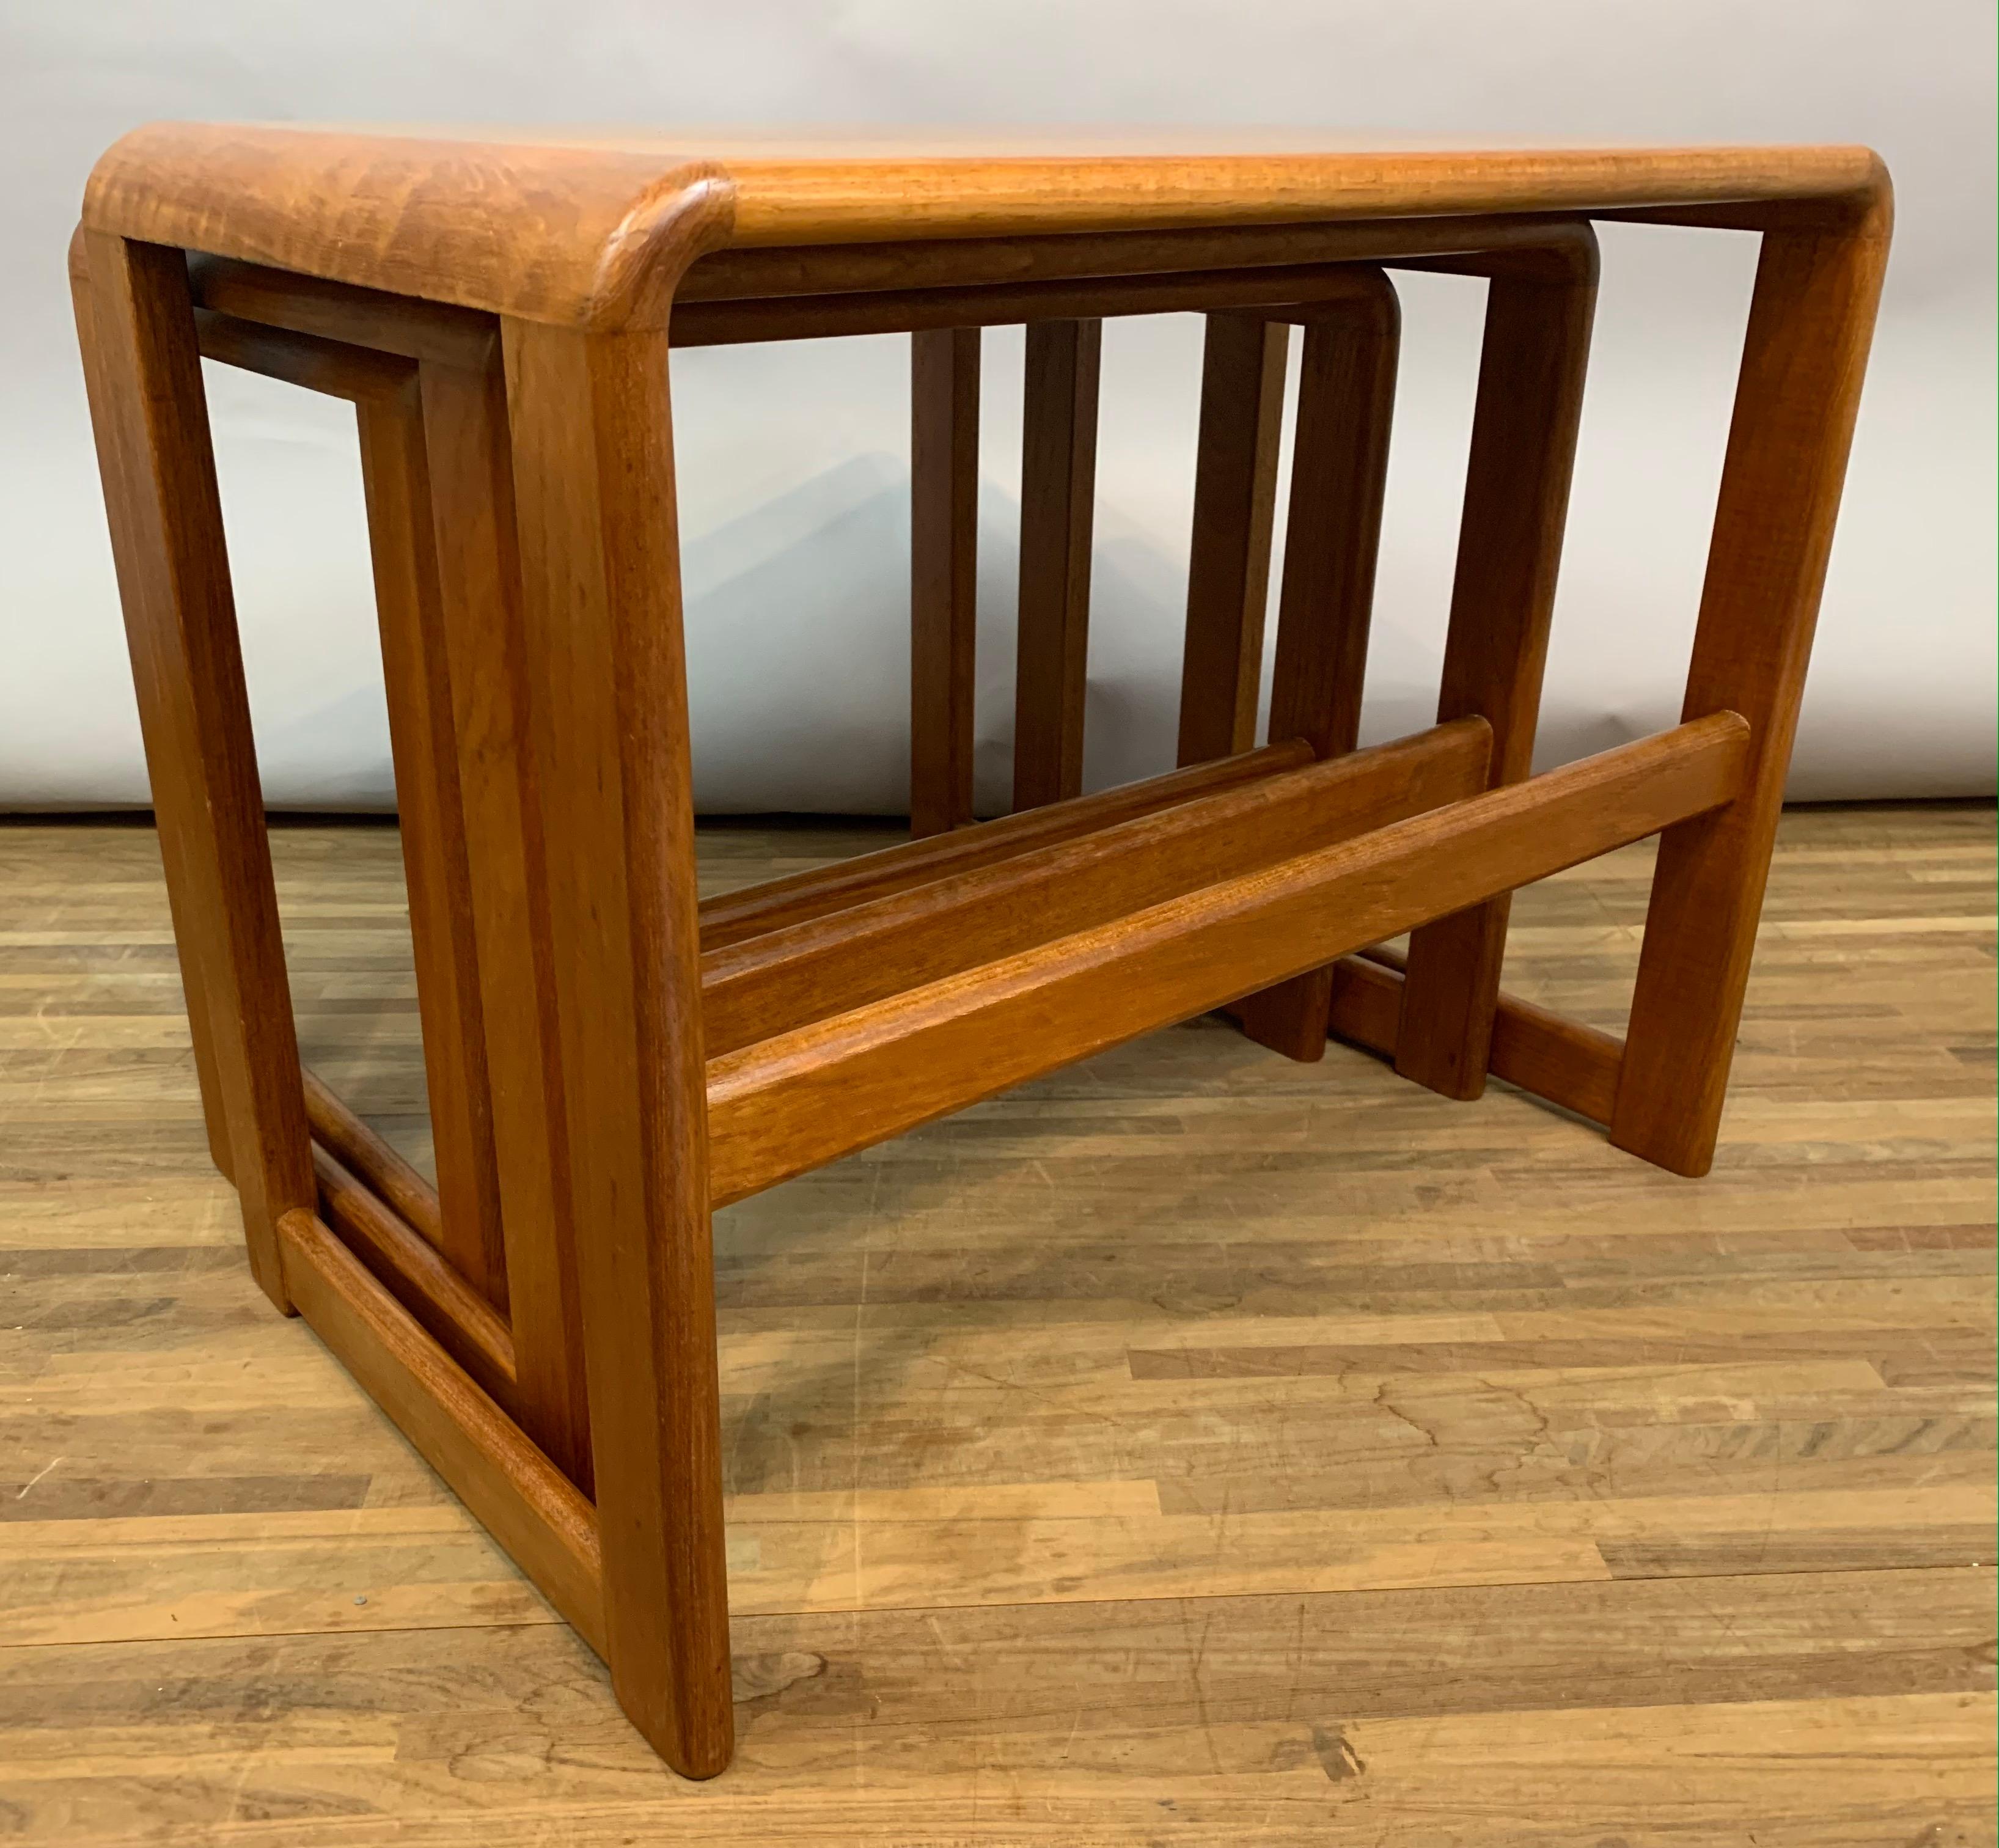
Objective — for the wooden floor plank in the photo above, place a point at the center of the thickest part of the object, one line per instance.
(1726, 1711)
(1192, 1446)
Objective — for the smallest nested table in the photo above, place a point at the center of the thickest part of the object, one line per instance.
(608, 1061)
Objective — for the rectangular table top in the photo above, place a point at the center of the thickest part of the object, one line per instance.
(563, 226)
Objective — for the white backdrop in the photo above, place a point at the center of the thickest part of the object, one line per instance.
(794, 459)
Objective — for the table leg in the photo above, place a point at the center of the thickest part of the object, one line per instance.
(396, 475)
(1811, 323)
(1058, 499)
(594, 484)
(197, 992)
(1234, 503)
(465, 432)
(1530, 379)
(1339, 467)
(136, 321)
(944, 575)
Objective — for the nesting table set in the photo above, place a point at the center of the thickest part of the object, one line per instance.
(608, 1061)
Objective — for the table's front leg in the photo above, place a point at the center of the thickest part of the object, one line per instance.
(606, 684)
(1811, 322)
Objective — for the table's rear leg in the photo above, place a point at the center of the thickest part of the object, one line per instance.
(409, 593)
(1811, 323)
(479, 629)
(1057, 505)
(1235, 502)
(1530, 379)
(605, 666)
(944, 575)
(197, 992)
(1339, 468)
(136, 324)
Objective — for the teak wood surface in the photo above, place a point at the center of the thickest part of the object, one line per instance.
(1191, 1447)
(605, 1061)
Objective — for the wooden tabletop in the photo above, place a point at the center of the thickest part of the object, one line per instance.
(567, 227)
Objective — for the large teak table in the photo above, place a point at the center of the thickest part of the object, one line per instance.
(606, 1060)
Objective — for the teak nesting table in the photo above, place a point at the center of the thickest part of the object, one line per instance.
(609, 1061)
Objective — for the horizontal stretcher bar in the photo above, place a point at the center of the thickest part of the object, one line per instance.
(822, 966)
(805, 1098)
(357, 373)
(778, 904)
(1539, 1051)
(516, 1493)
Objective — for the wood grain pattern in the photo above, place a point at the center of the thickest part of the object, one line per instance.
(455, 1316)
(776, 904)
(1524, 434)
(517, 1494)
(301, 359)
(369, 319)
(1565, 1061)
(128, 525)
(1346, 401)
(1340, 477)
(1234, 504)
(1756, 1551)
(1811, 321)
(743, 287)
(158, 465)
(593, 231)
(561, 525)
(789, 1103)
(1058, 518)
(355, 1143)
(943, 575)
(417, 673)
(785, 978)
(593, 485)
(478, 615)
(1057, 297)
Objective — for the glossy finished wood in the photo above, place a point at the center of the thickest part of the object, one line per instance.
(355, 1143)
(594, 230)
(457, 1317)
(468, 460)
(943, 575)
(777, 904)
(520, 1498)
(1339, 476)
(1564, 1061)
(1811, 322)
(1191, 1428)
(370, 320)
(1234, 503)
(145, 378)
(593, 484)
(782, 979)
(395, 474)
(802, 1098)
(1523, 435)
(1091, 295)
(1057, 513)
(128, 537)
(605, 1061)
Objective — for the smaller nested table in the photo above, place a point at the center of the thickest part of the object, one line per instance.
(606, 1060)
